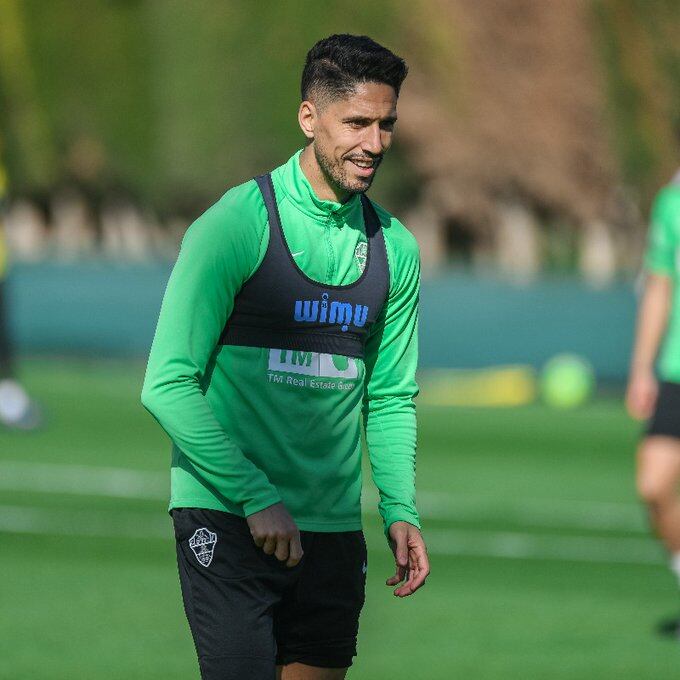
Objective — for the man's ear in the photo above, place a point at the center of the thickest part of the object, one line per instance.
(307, 116)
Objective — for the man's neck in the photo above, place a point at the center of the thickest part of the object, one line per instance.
(316, 177)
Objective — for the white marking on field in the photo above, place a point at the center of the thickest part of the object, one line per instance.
(517, 545)
(535, 512)
(441, 542)
(115, 482)
(83, 480)
(19, 519)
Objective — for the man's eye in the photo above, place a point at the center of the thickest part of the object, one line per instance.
(387, 126)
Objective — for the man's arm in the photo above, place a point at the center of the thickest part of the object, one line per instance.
(654, 306)
(216, 257)
(389, 413)
(219, 253)
(651, 324)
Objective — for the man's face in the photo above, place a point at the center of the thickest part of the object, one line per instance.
(351, 135)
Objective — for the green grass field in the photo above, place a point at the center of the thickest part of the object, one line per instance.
(542, 566)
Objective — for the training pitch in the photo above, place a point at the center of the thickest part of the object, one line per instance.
(542, 565)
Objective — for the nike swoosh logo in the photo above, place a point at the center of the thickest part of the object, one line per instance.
(298, 253)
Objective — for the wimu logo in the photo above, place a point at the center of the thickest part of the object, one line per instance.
(321, 311)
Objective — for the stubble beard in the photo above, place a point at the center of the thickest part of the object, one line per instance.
(337, 174)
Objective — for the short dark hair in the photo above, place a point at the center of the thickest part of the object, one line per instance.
(337, 64)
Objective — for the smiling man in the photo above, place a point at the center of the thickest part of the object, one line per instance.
(290, 315)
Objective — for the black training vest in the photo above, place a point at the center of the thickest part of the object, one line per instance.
(281, 307)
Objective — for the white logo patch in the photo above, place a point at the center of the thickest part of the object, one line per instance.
(203, 544)
(360, 253)
(363, 568)
(313, 363)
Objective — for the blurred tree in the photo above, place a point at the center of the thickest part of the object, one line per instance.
(92, 70)
(641, 56)
(24, 113)
(520, 121)
(226, 83)
(505, 121)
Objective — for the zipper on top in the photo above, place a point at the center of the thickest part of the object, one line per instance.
(330, 269)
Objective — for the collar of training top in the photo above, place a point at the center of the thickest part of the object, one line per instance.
(300, 193)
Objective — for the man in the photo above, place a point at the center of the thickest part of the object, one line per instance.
(658, 474)
(292, 311)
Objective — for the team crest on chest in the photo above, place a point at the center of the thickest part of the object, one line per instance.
(360, 253)
(203, 545)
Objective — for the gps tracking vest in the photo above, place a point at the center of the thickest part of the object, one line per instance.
(279, 306)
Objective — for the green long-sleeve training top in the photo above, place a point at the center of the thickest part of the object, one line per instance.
(251, 426)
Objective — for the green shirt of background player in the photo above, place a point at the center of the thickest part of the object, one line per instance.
(658, 399)
(269, 457)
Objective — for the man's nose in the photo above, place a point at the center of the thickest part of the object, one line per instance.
(373, 140)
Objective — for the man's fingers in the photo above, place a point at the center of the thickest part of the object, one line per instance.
(269, 545)
(285, 549)
(405, 588)
(401, 550)
(295, 551)
(399, 545)
(281, 551)
(399, 576)
(416, 580)
(419, 571)
(272, 530)
(640, 404)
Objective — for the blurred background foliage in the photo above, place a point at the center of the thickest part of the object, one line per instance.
(640, 53)
(558, 115)
(174, 101)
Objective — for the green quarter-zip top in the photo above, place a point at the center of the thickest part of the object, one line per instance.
(251, 426)
(663, 257)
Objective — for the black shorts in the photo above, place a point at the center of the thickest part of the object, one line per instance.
(248, 612)
(666, 417)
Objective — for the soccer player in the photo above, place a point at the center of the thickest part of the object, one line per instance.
(658, 474)
(291, 313)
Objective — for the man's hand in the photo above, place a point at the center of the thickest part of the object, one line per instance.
(275, 531)
(641, 394)
(410, 556)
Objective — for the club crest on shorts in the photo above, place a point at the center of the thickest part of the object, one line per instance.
(203, 544)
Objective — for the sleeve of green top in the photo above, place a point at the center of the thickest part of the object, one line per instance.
(219, 252)
(661, 241)
(388, 408)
